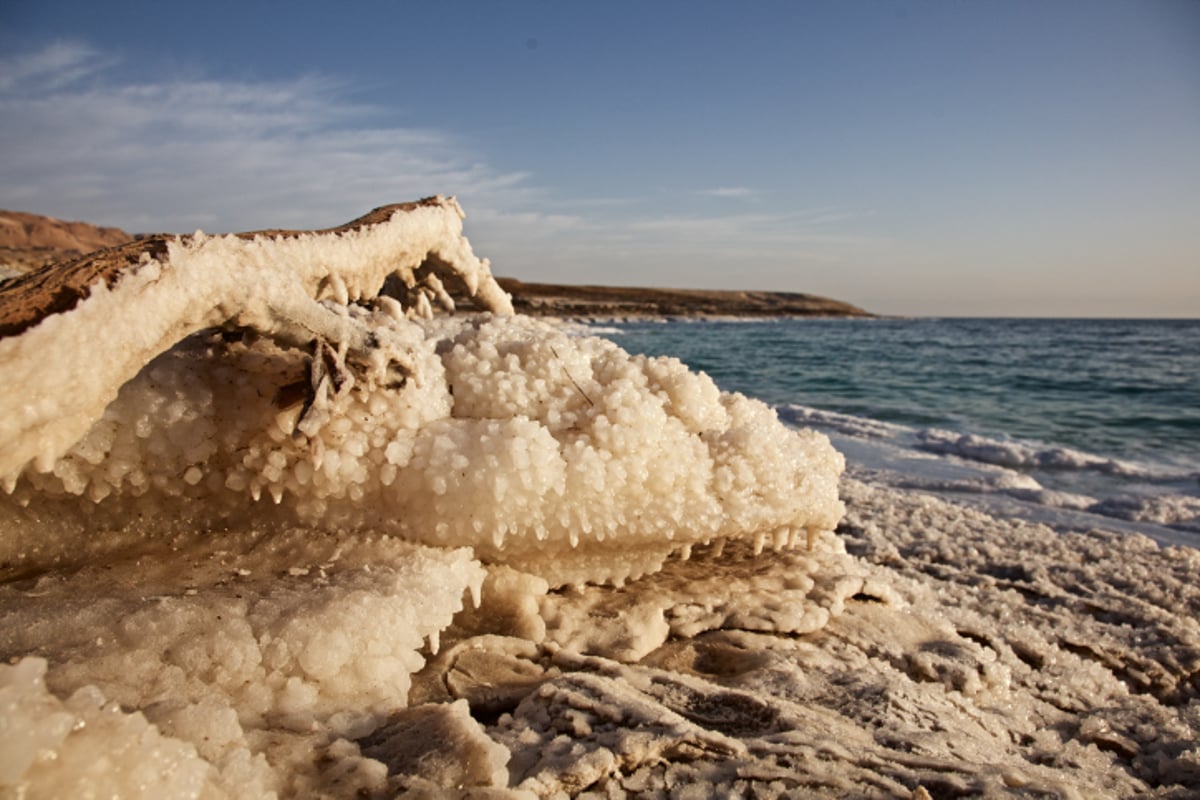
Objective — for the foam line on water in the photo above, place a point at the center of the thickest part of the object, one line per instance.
(1064, 488)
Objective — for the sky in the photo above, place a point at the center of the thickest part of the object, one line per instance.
(966, 158)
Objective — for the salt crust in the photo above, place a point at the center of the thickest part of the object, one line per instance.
(438, 745)
(61, 374)
(963, 654)
(938, 648)
(87, 747)
(257, 650)
(238, 547)
(977, 657)
(563, 456)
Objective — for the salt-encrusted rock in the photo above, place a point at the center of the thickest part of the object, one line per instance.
(785, 591)
(249, 647)
(245, 493)
(74, 333)
(87, 746)
(439, 745)
(563, 456)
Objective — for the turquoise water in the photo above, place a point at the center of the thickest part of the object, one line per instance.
(1106, 411)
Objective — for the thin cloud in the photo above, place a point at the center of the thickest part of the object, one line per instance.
(782, 228)
(179, 154)
(57, 65)
(530, 221)
(730, 192)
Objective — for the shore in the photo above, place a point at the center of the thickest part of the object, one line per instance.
(30, 241)
(926, 651)
(617, 302)
(501, 561)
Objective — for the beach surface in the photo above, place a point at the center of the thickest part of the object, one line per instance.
(501, 559)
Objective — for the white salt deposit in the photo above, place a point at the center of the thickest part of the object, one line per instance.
(60, 375)
(86, 746)
(562, 455)
(249, 542)
(245, 643)
(481, 557)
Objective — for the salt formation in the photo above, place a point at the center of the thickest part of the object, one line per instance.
(65, 367)
(86, 746)
(256, 649)
(433, 558)
(246, 513)
(559, 454)
(964, 656)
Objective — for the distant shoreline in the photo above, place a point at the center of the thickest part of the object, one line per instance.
(603, 303)
(31, 241)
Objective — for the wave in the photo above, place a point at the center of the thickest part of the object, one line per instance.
(1014, 454)
(1179, 511)
(1001, 452)
(843, 423)
(1038, 480)
(579, 329)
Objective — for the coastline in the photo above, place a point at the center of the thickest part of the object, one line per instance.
(612, 303)
(923, 648)
(29, 242)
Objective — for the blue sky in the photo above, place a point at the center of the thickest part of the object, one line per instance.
(948, 158)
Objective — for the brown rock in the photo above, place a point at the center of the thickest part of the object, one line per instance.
(63, 282)
(625, 302)
(19, 229)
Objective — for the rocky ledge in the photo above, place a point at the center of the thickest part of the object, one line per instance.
(618, 302)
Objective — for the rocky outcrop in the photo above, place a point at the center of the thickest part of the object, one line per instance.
(19, 229)
(29, 241)
(618, 302)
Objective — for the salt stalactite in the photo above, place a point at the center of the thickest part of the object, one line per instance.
(488, 445)
(561, 455)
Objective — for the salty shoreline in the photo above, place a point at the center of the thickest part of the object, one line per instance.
(949, 653)
(354, 621)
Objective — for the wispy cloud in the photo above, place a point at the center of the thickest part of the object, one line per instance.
(182, 153)
(177, 154)
(782, 227)
(730, 192)
(54, 66)
(520, 230)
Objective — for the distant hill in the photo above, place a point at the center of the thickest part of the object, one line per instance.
(29, 241)
(622, 302)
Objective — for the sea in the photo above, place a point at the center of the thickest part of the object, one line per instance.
(1079, 424)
